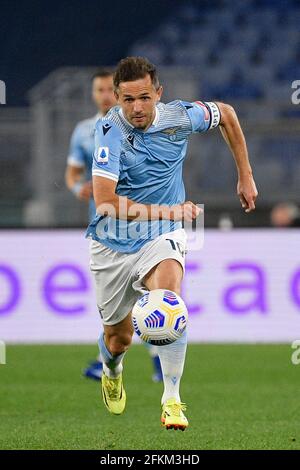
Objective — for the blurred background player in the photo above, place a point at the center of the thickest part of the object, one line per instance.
(285, 215)
(78, 178)
(79, 164)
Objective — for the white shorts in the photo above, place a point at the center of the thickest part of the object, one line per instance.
(119, 276)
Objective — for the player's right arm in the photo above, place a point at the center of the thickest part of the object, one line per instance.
(76, 168)
(111, 204)
(106, 165)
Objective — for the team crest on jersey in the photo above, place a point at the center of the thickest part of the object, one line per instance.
(171, 133)
(102, 154)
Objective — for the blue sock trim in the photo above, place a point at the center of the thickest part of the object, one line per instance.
(107, 357)
(156, 364)
(105, 354)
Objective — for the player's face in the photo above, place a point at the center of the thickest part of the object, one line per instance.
(103, 93)
(138, 100)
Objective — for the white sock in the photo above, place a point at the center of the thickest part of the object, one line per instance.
(172, 357)
(113, 373)
(153, 350)
(112, 365)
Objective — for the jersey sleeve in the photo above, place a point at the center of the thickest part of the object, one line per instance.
(76, 155)
(106, 161)
(204, 115)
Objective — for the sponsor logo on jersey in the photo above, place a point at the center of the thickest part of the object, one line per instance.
(106, 128)
(102, 154)
(130, 139)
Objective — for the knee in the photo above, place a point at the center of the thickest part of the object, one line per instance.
(117, 344)
(170, 282)
(167, 275)
(173, 285)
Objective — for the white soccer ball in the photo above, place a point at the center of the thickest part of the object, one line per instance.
(159, 317)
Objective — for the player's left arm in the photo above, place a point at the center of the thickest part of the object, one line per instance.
(234, 137)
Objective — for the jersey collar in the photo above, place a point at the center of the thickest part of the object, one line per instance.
(98, 116)
(156, 119)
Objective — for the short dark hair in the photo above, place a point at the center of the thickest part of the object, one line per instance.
(134, 68)
(102, 73)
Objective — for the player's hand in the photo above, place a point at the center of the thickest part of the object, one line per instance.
(86, 191)
(247, 192)
(187, 211)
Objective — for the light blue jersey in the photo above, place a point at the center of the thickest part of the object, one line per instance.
(82, 151)
(147, 167)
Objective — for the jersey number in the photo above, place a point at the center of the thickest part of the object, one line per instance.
(176, 246)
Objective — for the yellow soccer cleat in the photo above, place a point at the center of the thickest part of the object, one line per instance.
(113, 393)
(172, 415)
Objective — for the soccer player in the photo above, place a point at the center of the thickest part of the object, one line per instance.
(140, 198)
(79, 163)
(79, 177)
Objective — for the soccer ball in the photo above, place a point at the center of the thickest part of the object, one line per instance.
(159, 317)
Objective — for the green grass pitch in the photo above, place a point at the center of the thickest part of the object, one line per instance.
(238, 397)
